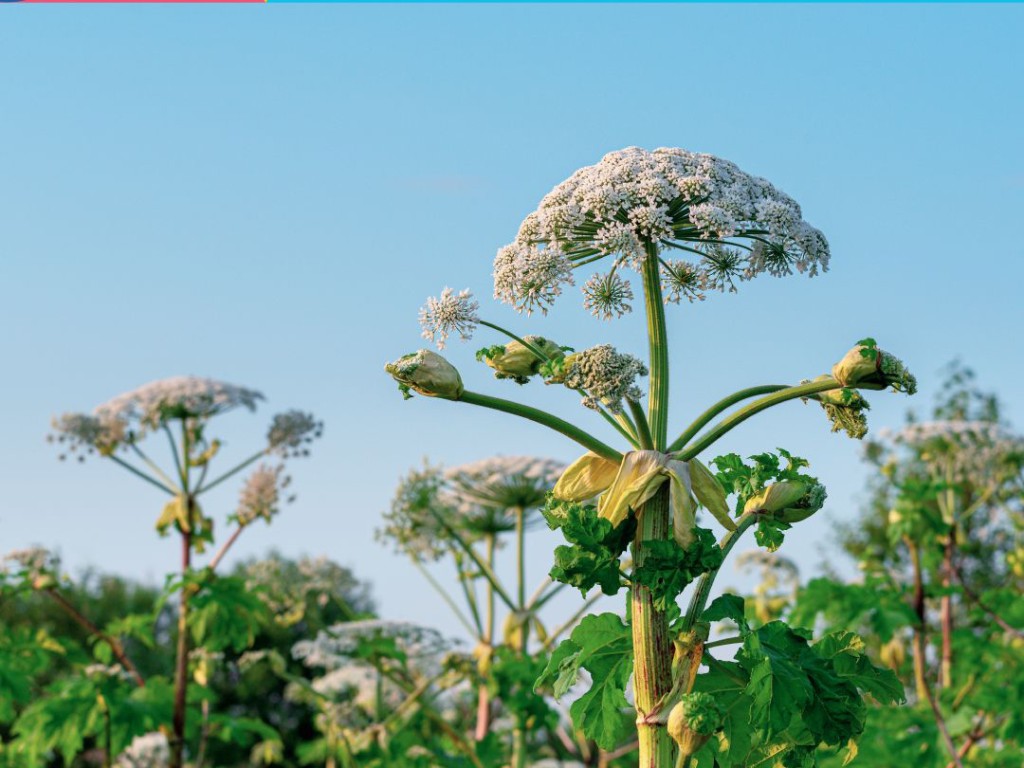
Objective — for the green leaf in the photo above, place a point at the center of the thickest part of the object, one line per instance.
(732, 607)
(603, 646)
(595, 546)
(668, 568)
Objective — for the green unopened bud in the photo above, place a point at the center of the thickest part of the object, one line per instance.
(789, 501)
(845, 409)
(517, 361)
(869, 367)
(710, 494)
(693, 721)
(428, 373)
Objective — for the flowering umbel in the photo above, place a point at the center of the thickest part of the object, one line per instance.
(450, 313)
(634, 205)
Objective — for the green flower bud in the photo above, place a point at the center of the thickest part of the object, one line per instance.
(789, 501)
(428, 373)
(518, 362)
(868, 367)
(693, 721)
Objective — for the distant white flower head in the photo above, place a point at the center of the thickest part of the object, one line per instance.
(179, 397)
(967, 449)
(84, 434)
(607, 376)
(337, 645)
(503, 482)
(635, 204)
(292, 432)
(261, 494)
(107, 671)
(35, 566)
(150, 750)
(450, 313)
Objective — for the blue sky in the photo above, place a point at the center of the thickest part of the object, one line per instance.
(267, 194)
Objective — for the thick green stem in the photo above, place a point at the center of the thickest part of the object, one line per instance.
(652, 644)
(657, 341)
(737, 418)
(705, 418)
(571, 431)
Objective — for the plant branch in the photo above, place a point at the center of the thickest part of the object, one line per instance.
(85, 623)
(737, 418)
(571, 431)
(139, 473)
(705, 418)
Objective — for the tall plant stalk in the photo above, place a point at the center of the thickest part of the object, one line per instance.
(652, 645)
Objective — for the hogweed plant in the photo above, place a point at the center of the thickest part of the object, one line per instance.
(685, 225)
(465, 514)
(182, 411)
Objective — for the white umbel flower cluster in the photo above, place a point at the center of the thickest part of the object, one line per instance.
(179, 397)
(150, 750)
(967, 449)
(334, 647)
(634, 204)
(35, 566)
(448, 314)
(503, 482)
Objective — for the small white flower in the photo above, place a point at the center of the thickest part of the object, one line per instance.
(448, 314)
(148, 751)
(607, 296)
(682, 280)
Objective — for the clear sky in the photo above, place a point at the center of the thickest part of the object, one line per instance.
(267, 194)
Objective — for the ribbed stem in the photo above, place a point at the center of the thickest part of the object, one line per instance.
(652, 646)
